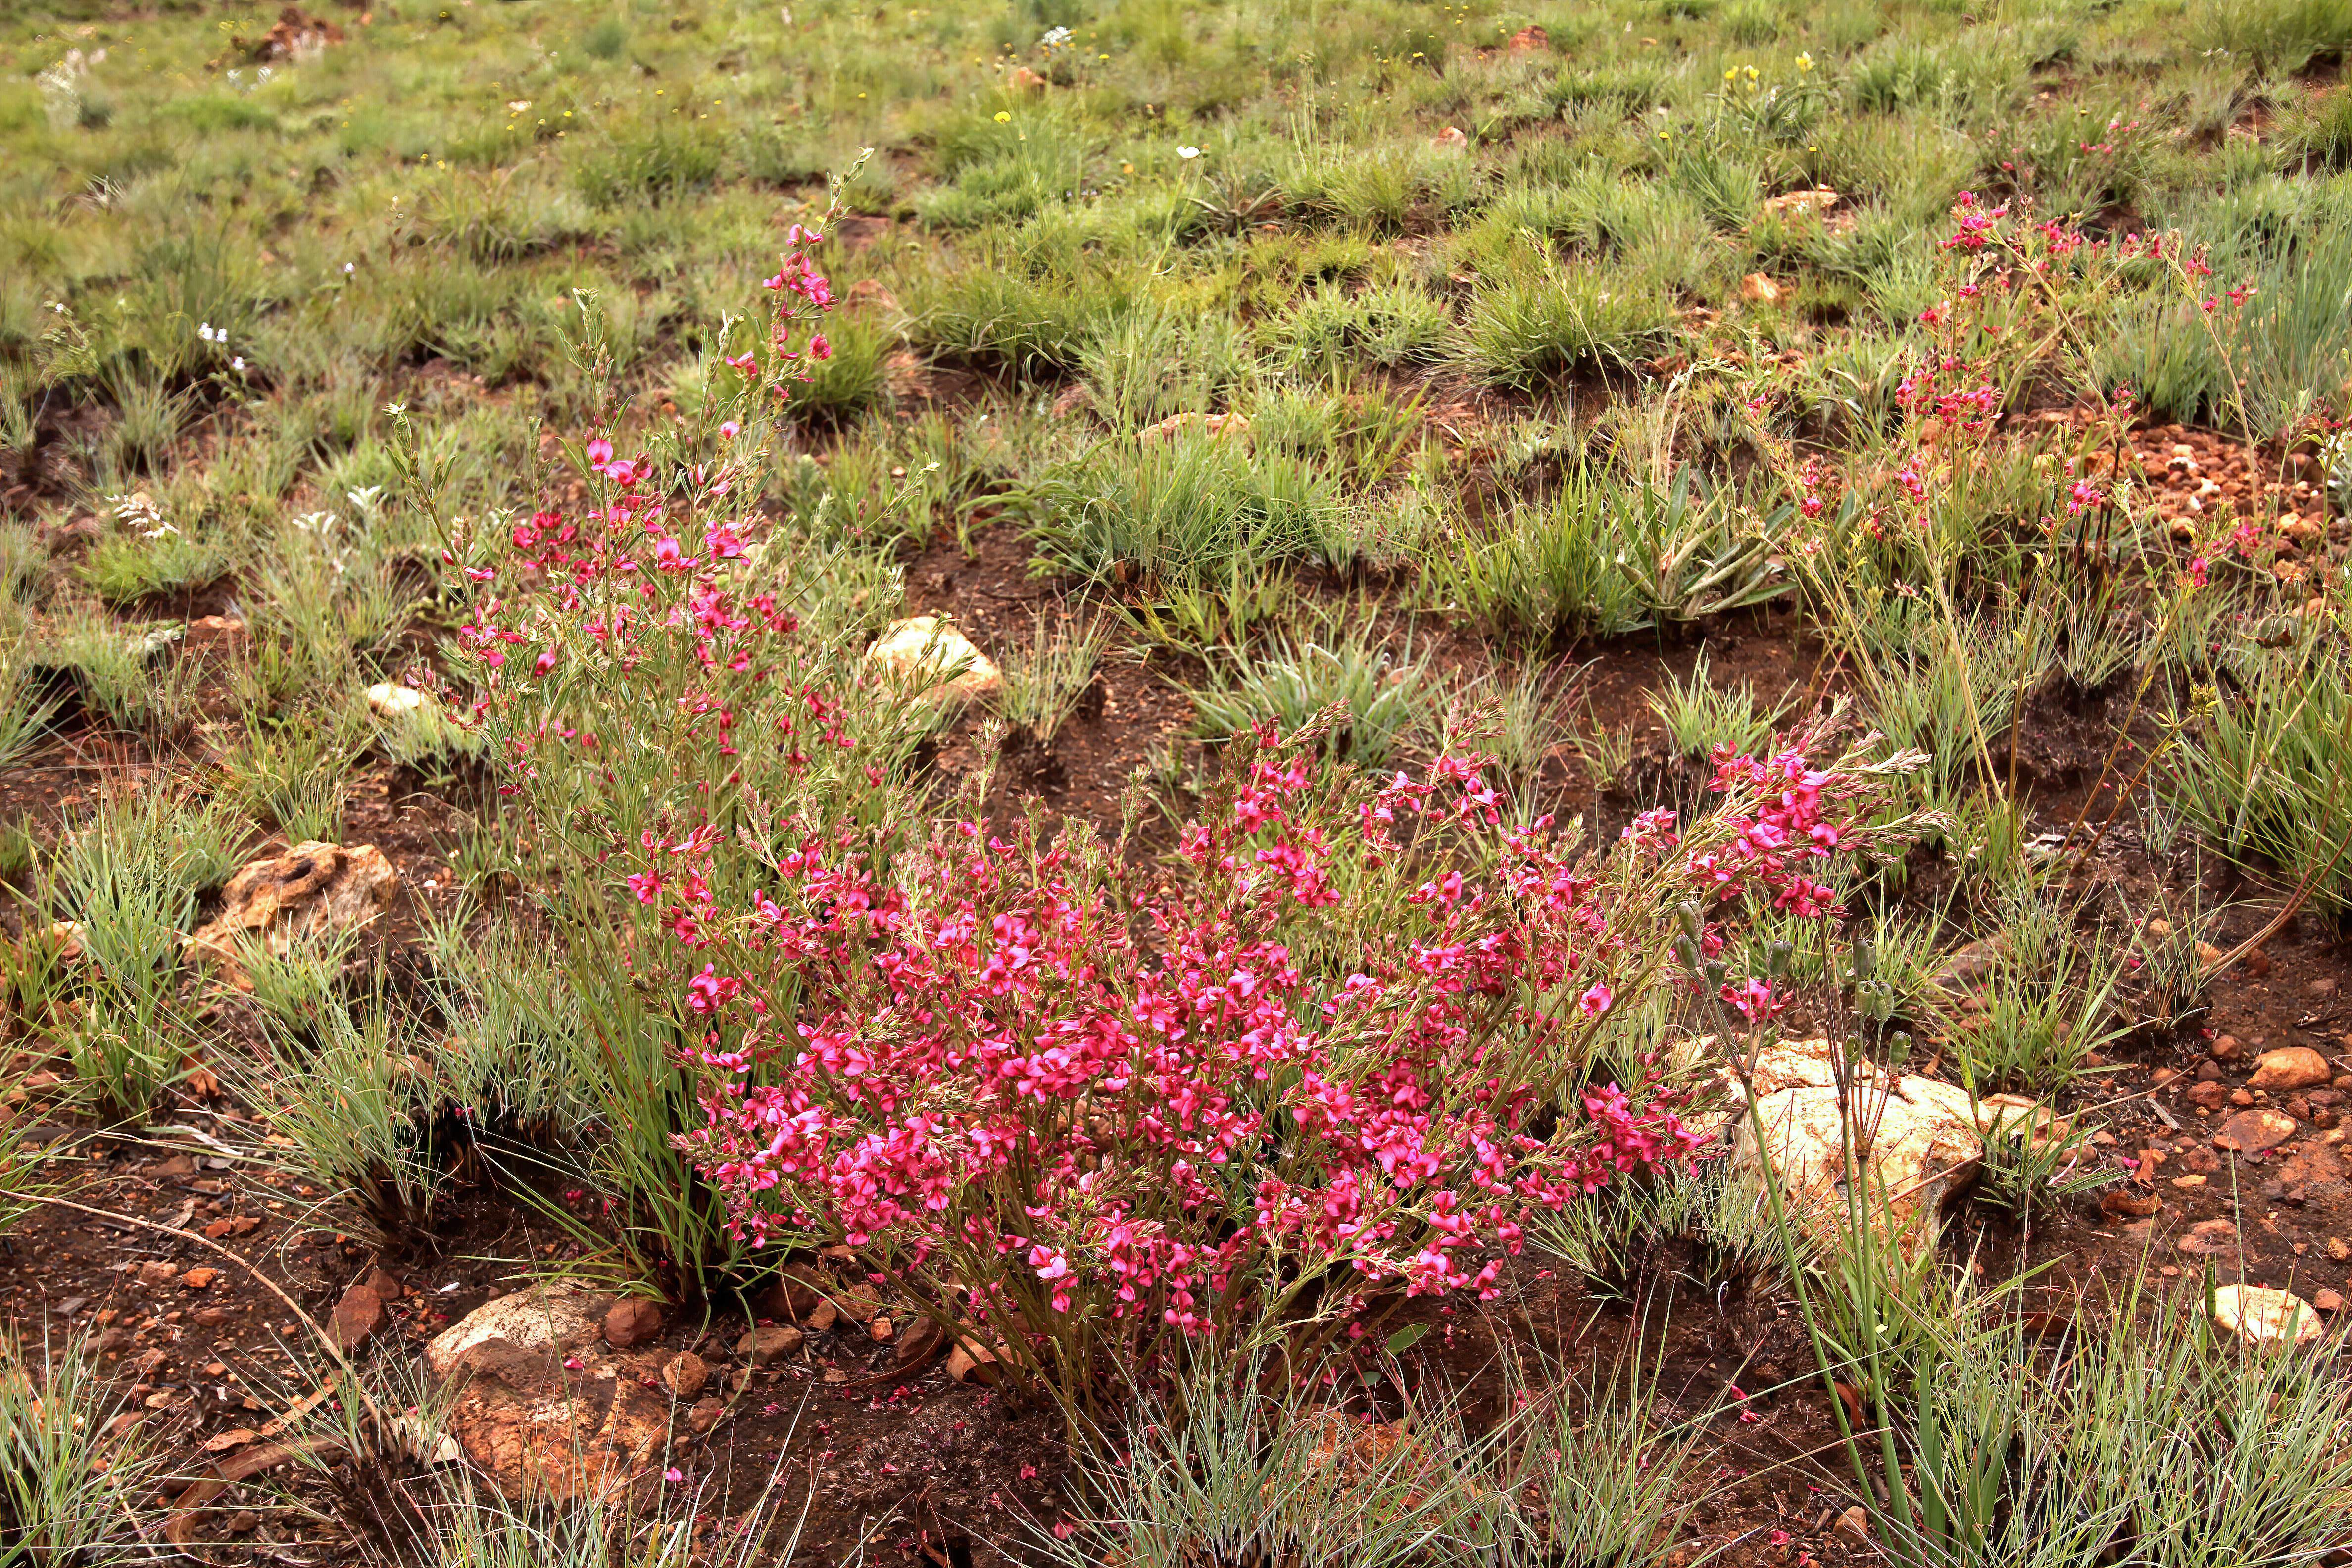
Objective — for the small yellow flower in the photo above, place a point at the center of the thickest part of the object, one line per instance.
(1804, 62)
(1002, 118)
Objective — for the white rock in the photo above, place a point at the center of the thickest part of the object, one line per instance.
(929, 652)
(395, 701)
(1916, 1146)
(536, 1403)
(545, 1320)
(2265, 1317)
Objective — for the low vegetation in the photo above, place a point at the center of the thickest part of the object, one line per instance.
(1507, 582)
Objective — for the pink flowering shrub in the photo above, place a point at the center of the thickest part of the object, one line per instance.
(1336, 1049)
(1332, 1048)
(2023, 299)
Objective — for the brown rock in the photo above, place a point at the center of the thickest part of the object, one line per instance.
(2327, 1301)
(2290, 1068)
(2309, 1163)
(871, 294)
(881, 1330)
(1218, 426)
(706, 1414)
(2253, 1132)
(155, 1271)
(559, 1321)
(2211, 1095)
(313, 888)
(2015, 1113)
(359, 1317)
(2210, 1238)
(1528, 41)
(296, 34)
(200, 1278)
(539, 1405)
(794, 1296)
(767, 1344)
(399, 704)
(633, 1321)
(2225, 1049)
(686, 1374)
(2201, 1161)
(1758, 288)
(1819, 200)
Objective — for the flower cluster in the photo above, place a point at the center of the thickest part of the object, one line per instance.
(979, 1074)
(1335, 1049)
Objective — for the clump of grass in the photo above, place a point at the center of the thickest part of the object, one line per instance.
(1710, 1224)
(2139, 1428)
(71, 1483)
(1044, 681)
(1546, 568)
(124, 569)
(1545, 322)
(128, 676)
(2048, 1002)
(294, 770)
(1385, 699)
(2260, 776)
(352, 1098)
(1582, 1472)
(1194, 510)
(131, 874)
(1700, 715)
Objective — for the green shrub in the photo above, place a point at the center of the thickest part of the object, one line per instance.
(990, 314)
(2316, 132)
(1395, 326)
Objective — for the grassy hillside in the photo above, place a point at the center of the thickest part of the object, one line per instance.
(1514, 580)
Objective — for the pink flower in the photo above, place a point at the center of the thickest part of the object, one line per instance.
(1596, 1001)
